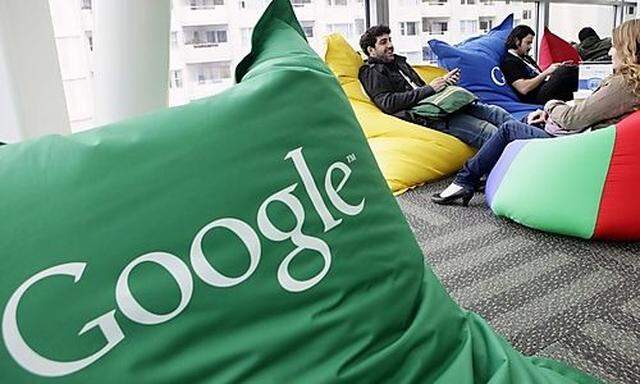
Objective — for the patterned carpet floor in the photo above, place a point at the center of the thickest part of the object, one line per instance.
(564, 298)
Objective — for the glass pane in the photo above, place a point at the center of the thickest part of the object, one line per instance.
(209, 69)
(208, 39)
(414, 22)
(598, 17)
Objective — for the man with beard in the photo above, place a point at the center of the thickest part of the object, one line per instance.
(531, 84)
(395, 88)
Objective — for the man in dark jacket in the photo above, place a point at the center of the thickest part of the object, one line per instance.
(395, 88)
(591, 47)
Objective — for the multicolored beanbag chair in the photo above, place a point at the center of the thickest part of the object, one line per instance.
(584, 185)
(247, 237)
(409, 155)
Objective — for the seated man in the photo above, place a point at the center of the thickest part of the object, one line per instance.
(591, 47)
(531, 84)
(395, 88)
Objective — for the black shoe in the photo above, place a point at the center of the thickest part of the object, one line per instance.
(465, 194)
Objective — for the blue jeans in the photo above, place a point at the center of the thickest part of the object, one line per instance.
(473, 124)
(482, 163)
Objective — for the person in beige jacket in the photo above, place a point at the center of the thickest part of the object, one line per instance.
(610, 103)
(617, 97)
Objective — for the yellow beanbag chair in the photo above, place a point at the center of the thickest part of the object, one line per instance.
(409, 155)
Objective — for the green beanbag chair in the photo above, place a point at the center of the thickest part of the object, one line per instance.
(582, 185)
(247, 237)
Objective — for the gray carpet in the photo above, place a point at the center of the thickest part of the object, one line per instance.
(568, 299)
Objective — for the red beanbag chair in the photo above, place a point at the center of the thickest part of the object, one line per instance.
(555, 50)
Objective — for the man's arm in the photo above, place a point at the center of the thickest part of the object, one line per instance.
(524, 86)
(379, 89)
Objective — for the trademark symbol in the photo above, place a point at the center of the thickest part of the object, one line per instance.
(351, 158)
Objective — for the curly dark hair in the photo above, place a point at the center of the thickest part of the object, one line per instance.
(370, 36)
(517, 34)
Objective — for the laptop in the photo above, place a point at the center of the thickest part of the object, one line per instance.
(591, 74)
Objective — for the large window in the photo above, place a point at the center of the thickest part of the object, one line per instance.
(599, 17)
(208, 39)
(451, 22)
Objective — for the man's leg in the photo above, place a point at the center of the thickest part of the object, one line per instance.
(491, 113)
(468, 128)
(560, 86)
(482, 163)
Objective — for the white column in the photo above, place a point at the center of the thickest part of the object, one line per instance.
(131, 57)
(32, 101)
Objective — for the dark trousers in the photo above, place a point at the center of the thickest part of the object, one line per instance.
(482, 163)
(560, 86)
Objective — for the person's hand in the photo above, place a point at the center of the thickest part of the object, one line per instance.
(438, 84)
(552, 68)
(537, 117)
(453, 76)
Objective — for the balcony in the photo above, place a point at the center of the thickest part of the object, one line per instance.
(206, 52)
(217, 14)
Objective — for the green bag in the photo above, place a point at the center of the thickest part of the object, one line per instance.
(445, 102)
(246, 237)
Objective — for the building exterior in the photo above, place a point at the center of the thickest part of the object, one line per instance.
(415, 22)
(209, 37)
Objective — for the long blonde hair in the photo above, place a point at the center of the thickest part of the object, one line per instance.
(626, 41)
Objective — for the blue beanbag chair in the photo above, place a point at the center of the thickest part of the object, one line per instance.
(479, 59)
